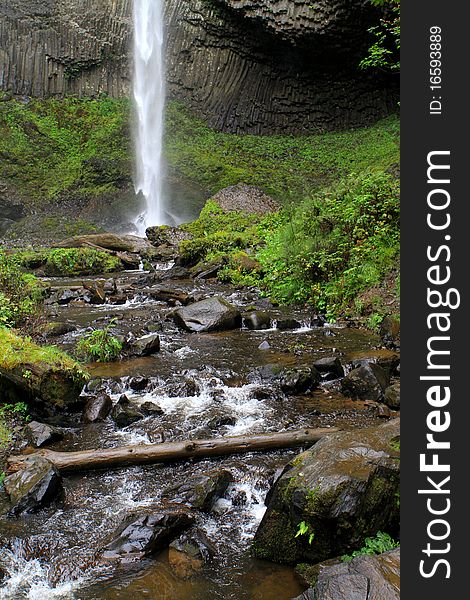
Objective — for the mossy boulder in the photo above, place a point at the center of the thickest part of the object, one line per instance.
(344, 489)
(42, 375)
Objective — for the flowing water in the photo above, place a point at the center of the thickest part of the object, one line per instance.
(149, 101)
(55, 553)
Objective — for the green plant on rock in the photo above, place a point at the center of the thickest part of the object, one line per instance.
(100, 345)
(384, 54)
(379, 544)
(11, 416)
(64, 262)
(305, 529)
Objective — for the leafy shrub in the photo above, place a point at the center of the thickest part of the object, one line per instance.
(20, 293)
(379, 544)
(11, 416)
(100, 345)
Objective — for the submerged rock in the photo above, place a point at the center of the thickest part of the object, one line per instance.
(367, 382)
(200, 491)
(40, 434)
(211, 314)
(143, 535)
(364, 578)
(33, 487)
(190, 553)
(345, 488)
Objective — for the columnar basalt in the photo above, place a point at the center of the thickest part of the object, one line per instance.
(247, 66)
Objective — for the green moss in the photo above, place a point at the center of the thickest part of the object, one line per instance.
(16, 351)
(51, 146)
(69, 261)
(290, 168)
(277, 541)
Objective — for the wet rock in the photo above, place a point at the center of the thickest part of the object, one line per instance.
(40, 434)
(187, 388)
(124, 414)
(317, 321)
(244, 197)
(58, 329)
(330, 367)
(200, 491)
(143, 535)
(163, 235)
(364, 578)
(117, 299)
(211, 314)
(367, 382)
(175, 272)
(34, 487)
(96, 291)
(208, 270)
(286, 324)
(221, 421)
(109, 241)
(257, 320)
(190, 553)
(388, 360)
(344, 488)
(392, 396)
(296, 380)
(67, 296)
(168, 295)
(97, 408)
(130, 262)
(150, 409)
(264, 345)
(139, 383)
(262, 393)
(146, 345)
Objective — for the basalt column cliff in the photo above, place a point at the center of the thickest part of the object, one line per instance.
(253, 66)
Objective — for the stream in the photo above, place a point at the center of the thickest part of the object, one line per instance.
(201, 385)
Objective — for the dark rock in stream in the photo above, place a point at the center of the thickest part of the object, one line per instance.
(138, 384)
(97, 408)
(58, 329)
(200, 491)
(392, 396)
(364, 578)
(367, 382)
(296, 380)
(150, 409)
(286, 324)
(40, 434)
(330, 367)
(124, 414)
(146, 345)
(96, 291)
(211, 314)
(190, 553)
(33, 487)
(143, 535)
(257, 320)
(175, 273)
(345, 487)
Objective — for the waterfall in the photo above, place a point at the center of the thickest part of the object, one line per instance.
(149, 101)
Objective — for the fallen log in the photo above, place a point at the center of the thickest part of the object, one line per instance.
(154, 453)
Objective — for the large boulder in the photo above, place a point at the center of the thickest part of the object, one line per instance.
(142, 535)
(345, 488)
(367, 382)
(211, 314)
(364, 578)
(293, 380)
(33, 487)
(246, 198)
(146, 345)
(97, 408)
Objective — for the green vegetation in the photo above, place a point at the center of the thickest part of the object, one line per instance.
(51, 146)
(100, 345)
(382, 542)
(69, 261)
(384, 54)
(16, 351)
(11, 416)
(20, 293)
(289, 168)
(304, 529)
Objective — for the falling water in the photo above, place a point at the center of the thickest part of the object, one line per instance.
(149, 98)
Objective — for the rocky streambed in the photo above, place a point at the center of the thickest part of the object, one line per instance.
(206, 360)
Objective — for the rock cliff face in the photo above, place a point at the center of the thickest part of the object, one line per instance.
(254, 66)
